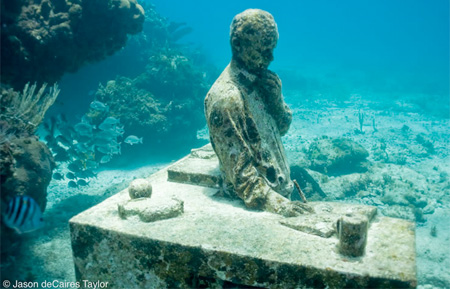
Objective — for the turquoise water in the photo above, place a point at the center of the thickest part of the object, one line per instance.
(406, 42)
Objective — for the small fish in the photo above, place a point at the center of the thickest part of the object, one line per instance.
(116, 149)
(111, 120)
(83, 129)
(76, 166)
(71, 176)
(61, 157)
(23, 215)
(90, 164)
(106, 126)
(82, 183)
(58, 176)
(119, 130)
(84, 138)
(104, 149)
(132, 140)
(105, 159)
(87, 174)
(57, 149)
(84, 148)
(63, 140)
(72, 184)
(102, 142)
(100, 106)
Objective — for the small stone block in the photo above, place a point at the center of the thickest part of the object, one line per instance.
(352, 231)
(205, 152)
(201, 171)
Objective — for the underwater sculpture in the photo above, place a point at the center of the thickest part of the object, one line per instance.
(246, 115)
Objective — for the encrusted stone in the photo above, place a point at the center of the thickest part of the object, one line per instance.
(218, 241)
(151, 210)
(352, 232)
(140, 188)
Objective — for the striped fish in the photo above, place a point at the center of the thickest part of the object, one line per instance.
(23, 215)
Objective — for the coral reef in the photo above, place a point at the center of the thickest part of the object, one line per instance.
(169, 95)
(168, 90)
(43, 39)
(25, 111)
(26, 169)
(26, 164)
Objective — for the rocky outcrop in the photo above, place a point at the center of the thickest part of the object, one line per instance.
(26, 169)
(43, 39)
(337, 156)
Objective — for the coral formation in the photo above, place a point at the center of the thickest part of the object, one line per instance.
(168, 90)
(26, 164)
(25, 111)
(43, 39)
(26, 169)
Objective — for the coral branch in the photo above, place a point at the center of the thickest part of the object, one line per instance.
(28, 108)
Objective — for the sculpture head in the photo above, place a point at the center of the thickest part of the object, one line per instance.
(253, 37)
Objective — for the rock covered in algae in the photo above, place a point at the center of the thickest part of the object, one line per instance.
(337, 156)
(47, 38)
(140, 188)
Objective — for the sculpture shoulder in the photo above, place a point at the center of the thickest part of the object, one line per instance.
(224, 94)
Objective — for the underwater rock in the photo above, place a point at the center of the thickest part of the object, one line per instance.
(140, 188)
(26, 169)
(337, 156)
(170, 104)
(151, 210)
(309, 185)
(47, 38)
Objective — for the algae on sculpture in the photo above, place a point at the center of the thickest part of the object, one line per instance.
(247, 116)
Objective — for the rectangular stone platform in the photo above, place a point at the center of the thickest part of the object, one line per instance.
(217, 242)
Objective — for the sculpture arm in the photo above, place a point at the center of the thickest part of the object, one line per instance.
(270, 86)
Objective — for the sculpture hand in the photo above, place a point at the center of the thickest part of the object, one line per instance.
(275, 203)
(270, 85)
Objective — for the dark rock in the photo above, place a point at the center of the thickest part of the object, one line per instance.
(26, 169)
(43, 39)
(337, 156)
(307, 183)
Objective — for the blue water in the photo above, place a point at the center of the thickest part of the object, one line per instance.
(407, 41)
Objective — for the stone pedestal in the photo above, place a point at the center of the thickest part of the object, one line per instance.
(217, 242)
